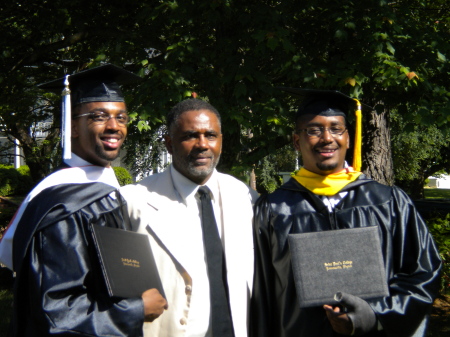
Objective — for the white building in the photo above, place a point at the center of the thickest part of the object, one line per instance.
(443, 181)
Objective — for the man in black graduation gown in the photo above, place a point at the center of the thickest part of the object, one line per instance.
(327, 194)
(59, 287)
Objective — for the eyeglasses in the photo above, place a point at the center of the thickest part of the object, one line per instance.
(102, 118)
(317, 131)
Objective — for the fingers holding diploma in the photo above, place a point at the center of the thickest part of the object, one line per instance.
(154, 304)
(352, 316)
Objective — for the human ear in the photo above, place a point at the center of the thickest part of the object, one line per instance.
(74, 129)
(296, 141)
(168, 143)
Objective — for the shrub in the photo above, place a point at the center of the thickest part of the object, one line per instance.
(25, 183)
(15, 182)
(8, 178)
(267, 178)
(440, 229)
(123, 176)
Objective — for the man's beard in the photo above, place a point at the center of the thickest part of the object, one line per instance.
(201, 171)
(106, 155)
(198, 172)
(326, 167)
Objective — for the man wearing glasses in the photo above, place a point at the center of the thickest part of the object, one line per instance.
(326, 194)
(59, 287)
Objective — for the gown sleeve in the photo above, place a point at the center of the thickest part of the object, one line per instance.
(66, 288)
(261, 303)
(413, 262)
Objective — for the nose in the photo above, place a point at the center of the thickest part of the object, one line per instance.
(327, 136)
(202, 142)
(112, 123)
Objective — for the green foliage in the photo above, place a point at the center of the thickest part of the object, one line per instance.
(232, 53)
(6, 214)
(267, 179)
(15, 182)
(25, 183)
(8, 178)
(144, 153)
(419, 151)
(440, 229)
(268, 169)
(123, 176)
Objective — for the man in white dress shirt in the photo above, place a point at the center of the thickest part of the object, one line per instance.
(167, 207)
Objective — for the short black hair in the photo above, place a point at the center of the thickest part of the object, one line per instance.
(189, 105)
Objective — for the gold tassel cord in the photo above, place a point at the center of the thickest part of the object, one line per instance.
(357, 163)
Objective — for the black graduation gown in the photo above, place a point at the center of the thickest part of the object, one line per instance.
(411, 259)
(59, 287)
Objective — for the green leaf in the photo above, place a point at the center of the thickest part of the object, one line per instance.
(390, 48)
(350, 25)
(272, 43)
(441, 57)
(240, 89)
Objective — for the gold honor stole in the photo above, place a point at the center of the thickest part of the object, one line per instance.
(326, 185)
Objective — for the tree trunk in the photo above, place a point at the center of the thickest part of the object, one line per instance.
(377, 155)
(38, 155)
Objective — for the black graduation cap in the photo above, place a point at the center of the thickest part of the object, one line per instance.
(99, 84)
(332, 103)
(325, 102)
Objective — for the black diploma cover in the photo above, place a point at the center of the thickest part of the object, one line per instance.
(344, 260)
(127, 262)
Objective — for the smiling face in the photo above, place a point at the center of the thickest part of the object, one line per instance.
(95, 142)
(195, 142)
(325, 154)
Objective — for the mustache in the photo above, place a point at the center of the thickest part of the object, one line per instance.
(201, 154)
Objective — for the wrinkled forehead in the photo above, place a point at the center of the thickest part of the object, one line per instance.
(196, 119)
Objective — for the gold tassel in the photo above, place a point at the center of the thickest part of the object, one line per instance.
(358, 141)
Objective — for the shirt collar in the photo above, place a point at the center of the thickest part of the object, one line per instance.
(76, 161)
(92, 173)
(186, 188)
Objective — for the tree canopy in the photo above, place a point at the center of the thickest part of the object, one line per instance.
(390, 55)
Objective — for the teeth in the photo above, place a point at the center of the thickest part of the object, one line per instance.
(112, 140)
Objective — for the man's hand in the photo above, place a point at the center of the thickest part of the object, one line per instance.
(154, 304)
(358, 320)
(339, 320)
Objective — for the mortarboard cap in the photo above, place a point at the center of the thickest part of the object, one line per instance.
(99, 84)
(325, 102)
(332, 103)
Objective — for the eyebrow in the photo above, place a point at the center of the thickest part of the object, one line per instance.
(192, 132)
(107, 110)
(321, 125)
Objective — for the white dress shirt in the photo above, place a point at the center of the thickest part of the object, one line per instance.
(199, 314)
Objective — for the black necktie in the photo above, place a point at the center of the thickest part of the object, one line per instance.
(220, 310)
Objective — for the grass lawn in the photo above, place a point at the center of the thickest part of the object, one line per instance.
(437, 193)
